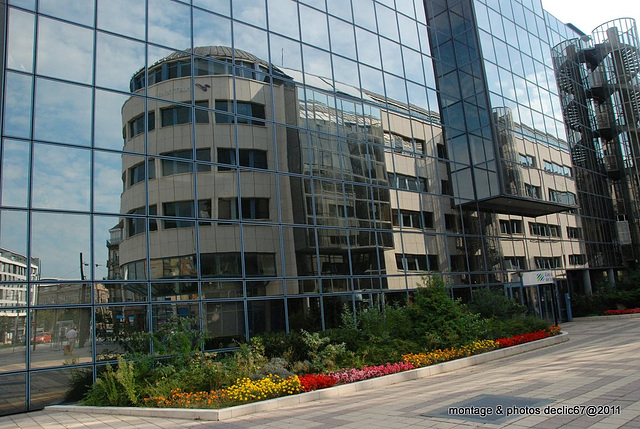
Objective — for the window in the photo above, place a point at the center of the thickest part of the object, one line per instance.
(230, 264)
(545, 263)
(515, 263)
(250, 208)
(577, 259)
(568, 198)
(248, 113)
(511, 226)
(408, 262)
(553, 168)
(178, 209)
(176, 115)
(406, 218)
(450, 222)
(427, 217)
(574, 232)
(544, 230)
(527, 160)
(447, 189)
(138, 225)
(253, 158)
(136, 125)
(170, 166)
(411, 183)
(442, 151)
(137, 172)
(532, 191)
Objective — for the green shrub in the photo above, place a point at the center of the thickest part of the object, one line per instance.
(493, 304)
(116, 388)
(503, 328)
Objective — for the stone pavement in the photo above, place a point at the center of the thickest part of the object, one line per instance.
(599, 366)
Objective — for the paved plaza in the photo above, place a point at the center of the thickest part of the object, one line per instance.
(598, 367)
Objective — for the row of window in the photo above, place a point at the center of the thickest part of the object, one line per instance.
(177, 115)
(246, 158)
(514, 226)
(228, 209)
(542, 262)
(211, 265)
(408, 262)
(202, 67)
(550, 167)
(568, 198)
(13, 269)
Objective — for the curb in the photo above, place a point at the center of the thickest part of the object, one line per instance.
(609, 317)
(331, 392)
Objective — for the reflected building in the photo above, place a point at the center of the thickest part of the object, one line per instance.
(326, 157)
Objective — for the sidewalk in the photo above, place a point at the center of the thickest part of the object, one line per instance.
(598, 366)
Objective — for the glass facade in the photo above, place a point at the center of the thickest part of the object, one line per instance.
(260, 166)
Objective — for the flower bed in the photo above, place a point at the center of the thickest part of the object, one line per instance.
(272, 386)
(624, 311)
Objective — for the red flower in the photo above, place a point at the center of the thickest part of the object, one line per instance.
(316, 381)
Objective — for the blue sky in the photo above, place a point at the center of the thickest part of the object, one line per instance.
(588, 14)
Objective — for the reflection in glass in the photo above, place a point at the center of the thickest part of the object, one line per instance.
(17, 111)
(251, 12)
(342, 38)
(69, 333)
(15, 177)
(210, 29)
(368, 51)
(122, 17)
(51, 232)
(224, 322)
(250, 39)
(314, 27)
(51, 387)
(107, 182)
(62, 113)
(57, 44)
(265, 316)
(108, 130)
(20, 40)
(169, 24)
(118, 328)
(13, 397)
(60, 177)
(13, 324)
(71, 10)
(117, 59)
(283, 19)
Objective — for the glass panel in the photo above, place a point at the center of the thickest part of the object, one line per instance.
(366, 16)
(60, 177)
(210, 29)
(165, 313)
(108, 132)
(342, 38)
(219, 6)
(341, 8)
(15, 173)
(122, 17)
(251, 12)
(14, 388)
(333, 308)
(224, 322)
(13, 324)
(283, 18)
(368, 51)
(250, 39)
(314, 27)
(125, 292)
(264, 288)
(50, 387)
(107, 182)
(285, 52)
(17, 109)
(51, 232)
(20, 40)
(79, 11)
(316, 62)
(304, 313)
(63, 113)
(57, 44)
(387, 24)
(169, 24)
(70, 333)
(117, 60)
(118, 329)
(13, 232)
(265, 316)
(229, 289)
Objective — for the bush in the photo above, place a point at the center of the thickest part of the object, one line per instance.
(493, 304)
(438, 321)
(498, 328)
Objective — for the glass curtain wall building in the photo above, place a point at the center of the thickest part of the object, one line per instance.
(261, 166)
